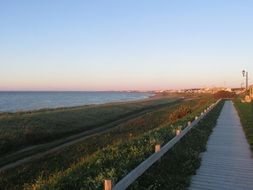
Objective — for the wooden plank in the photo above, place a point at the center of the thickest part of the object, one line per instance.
(228, 161)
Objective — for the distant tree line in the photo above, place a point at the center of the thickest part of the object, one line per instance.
(224, 94)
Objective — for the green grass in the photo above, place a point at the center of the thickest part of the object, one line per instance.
(117, 159)
(52, 165)
(179, 164)
(19, 130)
(245, 111)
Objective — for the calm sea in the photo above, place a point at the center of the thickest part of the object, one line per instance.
(24, 101)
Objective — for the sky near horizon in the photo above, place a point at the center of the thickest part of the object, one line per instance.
(124, 45)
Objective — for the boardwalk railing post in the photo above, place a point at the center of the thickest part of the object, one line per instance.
(178, 131)
(196, 117)
(189, 123)
(107, 184)
(157, 148)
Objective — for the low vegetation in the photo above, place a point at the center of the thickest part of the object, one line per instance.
(58, 164)
(182, 111)
(19, 130)
(245, 111)
(118, 158)
(180, 163)
(224, 95)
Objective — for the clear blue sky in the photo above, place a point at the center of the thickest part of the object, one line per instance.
(124, 44)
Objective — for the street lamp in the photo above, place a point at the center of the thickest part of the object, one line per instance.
(242, 85)
(245, 74)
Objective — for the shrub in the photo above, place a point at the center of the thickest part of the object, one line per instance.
(179, 113)
(224, 94)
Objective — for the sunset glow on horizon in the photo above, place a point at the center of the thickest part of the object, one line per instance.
(130, 45)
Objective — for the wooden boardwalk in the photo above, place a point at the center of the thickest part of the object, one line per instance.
(228, 163)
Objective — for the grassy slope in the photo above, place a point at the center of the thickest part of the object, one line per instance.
(52, 164)
(29, 128)
(115, 160)
(64, 158)
(177, 166)
(245, 111)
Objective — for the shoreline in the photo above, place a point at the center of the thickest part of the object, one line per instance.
(151, 96)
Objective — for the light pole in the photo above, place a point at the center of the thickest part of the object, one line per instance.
(242, 85)
(245, 74)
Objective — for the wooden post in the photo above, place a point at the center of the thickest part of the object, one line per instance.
(202, 113)
(189, 123)
(196, 117)
(108, 184)
(178, 131)
(157, 148)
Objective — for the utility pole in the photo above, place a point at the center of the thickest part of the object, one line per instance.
(245, 74)
(242, 85)
(247, 81)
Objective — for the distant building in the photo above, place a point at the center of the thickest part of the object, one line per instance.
(216, 89)
(238, 90)
(213, 90)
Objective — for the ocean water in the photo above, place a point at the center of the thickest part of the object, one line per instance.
(24, 101)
